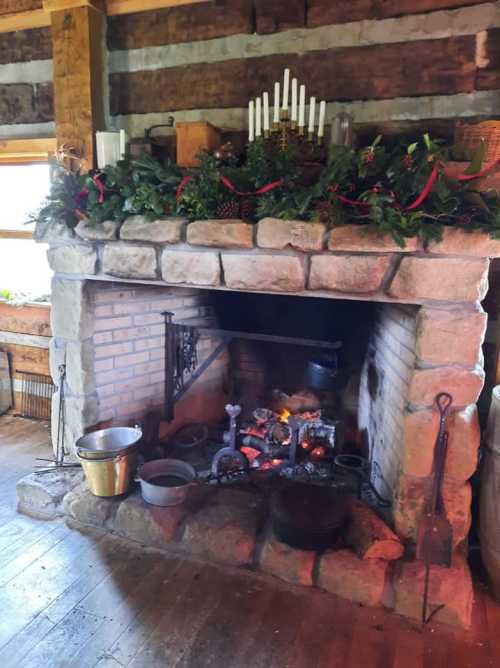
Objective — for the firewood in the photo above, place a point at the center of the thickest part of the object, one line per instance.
(369, 536)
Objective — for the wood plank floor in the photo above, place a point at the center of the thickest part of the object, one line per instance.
(80, 597)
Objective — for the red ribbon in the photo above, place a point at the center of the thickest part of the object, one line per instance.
(81, 195)
(483, 172)
(181, 186)
(264, 189)
(100, 187)
(427, 188)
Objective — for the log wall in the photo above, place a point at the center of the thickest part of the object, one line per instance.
(394, 65)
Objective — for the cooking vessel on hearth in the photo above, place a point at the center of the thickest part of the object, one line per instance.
(109, 476)
(108, 442)
(181, 475)
(321, 373)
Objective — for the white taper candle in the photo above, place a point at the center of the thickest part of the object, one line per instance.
(276, 118)
(322, 115)
(258, 117)
(294, 100)
(286, 87)
(312, 114)
(302, 107)
(251, 121)
(265, 102)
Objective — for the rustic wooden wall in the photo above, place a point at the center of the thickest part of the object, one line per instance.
(396, 61)
(24, 334)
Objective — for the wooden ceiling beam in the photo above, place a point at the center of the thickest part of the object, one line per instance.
(40, 18)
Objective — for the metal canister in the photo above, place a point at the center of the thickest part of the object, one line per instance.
(110, 476)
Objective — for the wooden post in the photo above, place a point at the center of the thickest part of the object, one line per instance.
(78, 28)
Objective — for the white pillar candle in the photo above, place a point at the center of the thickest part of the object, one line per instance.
(302, 107)
(294, 100)
(312, 113)
(322, 115)
(286, 86)
(265, 101)
(251, 122)
(276, 118)
(258, 117)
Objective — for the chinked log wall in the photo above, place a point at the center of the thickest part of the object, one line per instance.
(205, 61)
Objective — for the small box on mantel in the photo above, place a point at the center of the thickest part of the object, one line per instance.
(194, 137)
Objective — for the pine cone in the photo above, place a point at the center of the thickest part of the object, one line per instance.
(230, 209)
(247, 209)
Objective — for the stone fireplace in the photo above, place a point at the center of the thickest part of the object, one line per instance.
(424, 331)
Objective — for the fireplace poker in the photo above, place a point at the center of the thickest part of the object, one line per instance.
(435, 534)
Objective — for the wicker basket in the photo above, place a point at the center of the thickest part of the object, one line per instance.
(468, 137)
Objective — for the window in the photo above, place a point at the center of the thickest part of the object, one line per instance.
(24, 183)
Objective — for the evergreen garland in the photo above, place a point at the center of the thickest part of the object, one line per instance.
(375, 184)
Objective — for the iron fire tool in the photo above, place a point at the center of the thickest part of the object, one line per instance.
(230, 453)
(435, 534)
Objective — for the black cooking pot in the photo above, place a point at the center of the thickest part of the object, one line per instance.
(321, 372)
(308, 517)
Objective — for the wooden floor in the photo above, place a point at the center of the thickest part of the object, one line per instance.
(80, 597)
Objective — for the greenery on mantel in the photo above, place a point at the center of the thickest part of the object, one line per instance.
(402, 190)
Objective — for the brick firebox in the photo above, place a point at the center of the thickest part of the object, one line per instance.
(427, 336)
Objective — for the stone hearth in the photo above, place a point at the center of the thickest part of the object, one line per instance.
(232, 527)
(111, 283)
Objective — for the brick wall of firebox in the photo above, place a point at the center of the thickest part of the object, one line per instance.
(129, 355)
(384, 387)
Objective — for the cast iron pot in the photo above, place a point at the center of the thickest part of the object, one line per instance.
(308, 517)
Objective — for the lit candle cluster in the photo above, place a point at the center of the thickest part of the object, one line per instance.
(293, 109)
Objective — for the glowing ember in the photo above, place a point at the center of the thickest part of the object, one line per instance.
(276, 462)
(318, 452)
(250, 453)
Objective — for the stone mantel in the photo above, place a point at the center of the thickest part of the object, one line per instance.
(292, 257)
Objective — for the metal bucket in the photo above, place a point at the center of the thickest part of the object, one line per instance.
(110, 476)
(159, 495)
(108, 442)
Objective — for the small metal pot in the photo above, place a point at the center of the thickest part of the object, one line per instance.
(159, 495)
(322, 372)
(108, 442)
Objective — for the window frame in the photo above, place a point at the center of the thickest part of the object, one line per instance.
(25, 152)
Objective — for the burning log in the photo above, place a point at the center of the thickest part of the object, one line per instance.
(369, 536)
(301, 402)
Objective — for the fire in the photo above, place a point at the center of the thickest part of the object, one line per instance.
(284, 415)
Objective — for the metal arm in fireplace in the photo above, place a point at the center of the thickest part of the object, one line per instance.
(181, 357)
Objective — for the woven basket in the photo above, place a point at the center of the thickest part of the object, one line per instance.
(468, 137)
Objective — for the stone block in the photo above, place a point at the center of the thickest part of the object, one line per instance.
(81, 413)
(411, 496)
(191, 268)
(419, 435)
(105, 231)
(457, 241)
(464, 385)
(448, 587)
(348, 273)
(280, 234)
(269, 273)
(445, 278)
(287, 563)
(81, 505)
(457, 500)
(220, 233)
(42, 496)
(224, 530)
(450, 337)
(71, 314)
(72, 259)
(163, 231)
(149, 525)
(129, 261)
(52, 231)
(367, 239)
(343, 573)
(78, 358)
